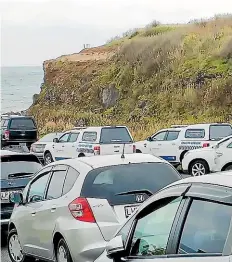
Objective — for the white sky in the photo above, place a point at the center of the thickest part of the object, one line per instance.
(36, 30)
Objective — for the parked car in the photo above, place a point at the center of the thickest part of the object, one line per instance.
(16, 171)
(199, 162)
(38, 147)
(63, 147)
(172, 143)
(90, 141)
(72, 207)
(223, 157)
(189, 220)
(18, 130)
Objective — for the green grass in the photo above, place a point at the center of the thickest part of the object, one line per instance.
(165, 74)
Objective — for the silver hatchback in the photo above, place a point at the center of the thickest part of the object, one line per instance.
(73, 207)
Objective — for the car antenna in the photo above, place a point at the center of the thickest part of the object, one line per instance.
(123, 156)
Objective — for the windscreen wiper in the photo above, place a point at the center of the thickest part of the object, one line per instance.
(20, 174)
(132, 192)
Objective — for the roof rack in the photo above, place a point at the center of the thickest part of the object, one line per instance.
(178, 126)
(79, 127)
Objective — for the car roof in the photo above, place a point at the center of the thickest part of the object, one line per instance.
(111, 160)
(220, 178)
(206, 125)
(100, 127)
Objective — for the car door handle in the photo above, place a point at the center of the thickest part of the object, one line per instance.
(159, 144)
(53, 209)
(33, 213)
(73, 146)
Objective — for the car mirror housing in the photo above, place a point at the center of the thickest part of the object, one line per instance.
(16, 198)
(56, 140)
(149, 138)
(114, 247)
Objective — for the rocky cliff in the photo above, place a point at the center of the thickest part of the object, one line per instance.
(151, 78)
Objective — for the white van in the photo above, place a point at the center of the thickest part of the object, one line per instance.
(172, 143)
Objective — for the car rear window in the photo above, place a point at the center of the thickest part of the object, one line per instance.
(108, 182)
(114, 135)
(195, 133)
(22, 123)
(19, 166)
(217, 132)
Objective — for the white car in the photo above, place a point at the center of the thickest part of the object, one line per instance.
(188, 221)
(90, 141)
(223, 158)
(172, 143)
(199, 162)
(38, 147)
(72, 207)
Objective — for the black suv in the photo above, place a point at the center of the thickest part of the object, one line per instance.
(16, 171)
(18, 130)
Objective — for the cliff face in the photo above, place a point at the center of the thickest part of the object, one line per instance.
(150, 79)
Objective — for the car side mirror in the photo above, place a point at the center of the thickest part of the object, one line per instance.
(114, 247)
(16, 198)
(149, 139)
(56, 140)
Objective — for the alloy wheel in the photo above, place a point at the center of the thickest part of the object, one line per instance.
(198, 169)
(15, 248)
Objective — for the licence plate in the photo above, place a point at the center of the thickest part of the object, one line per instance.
(6, 194)
(129, 210)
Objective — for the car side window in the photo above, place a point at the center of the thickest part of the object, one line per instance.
(230, 145)
(70, 180)
(195, 133)
(37, 189)
(152, 231)
(56, 184)
(172, 135)
(73, 137)
(207, 232)
(64, 138)
(160, 136)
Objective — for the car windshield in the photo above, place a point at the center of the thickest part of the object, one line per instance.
(22, 123)
(115, 135)
(19, 166)
(218, 132)
(119, 184)
(50, 137)
(223, 141)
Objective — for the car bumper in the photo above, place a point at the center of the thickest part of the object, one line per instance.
(4, 222)
(40, 156)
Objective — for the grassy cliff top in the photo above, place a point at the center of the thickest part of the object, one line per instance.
(148, 79)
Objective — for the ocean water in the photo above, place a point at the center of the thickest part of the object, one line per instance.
(18, 85)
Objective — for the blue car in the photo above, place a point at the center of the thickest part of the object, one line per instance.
(16, 171)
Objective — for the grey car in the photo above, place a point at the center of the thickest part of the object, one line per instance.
(189, 220)
(73, 207)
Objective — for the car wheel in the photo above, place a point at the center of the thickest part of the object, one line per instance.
(62, 252)
(228, 168)
(199, 168)
(48, 158)
(14, 248)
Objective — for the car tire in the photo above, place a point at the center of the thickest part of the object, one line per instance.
(62, 252)
(48, 158)
(15, 250)
(199, 168)
(229, 167)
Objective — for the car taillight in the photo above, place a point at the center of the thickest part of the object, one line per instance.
(206, 145)
(96, 150)
(81, 210)
(134, 149)
(7, 134)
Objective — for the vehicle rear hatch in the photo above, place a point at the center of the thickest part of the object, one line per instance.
(115, 192)
(114, 139)
(22, 129)
(16, 172)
